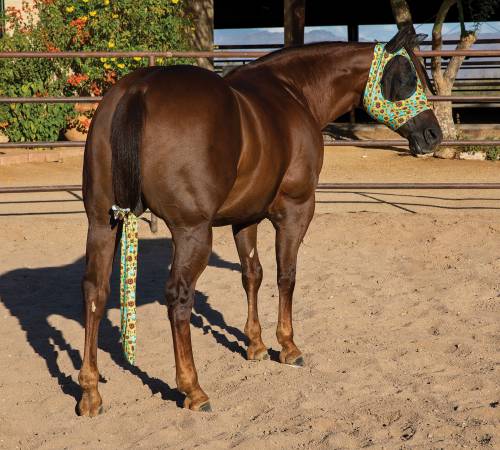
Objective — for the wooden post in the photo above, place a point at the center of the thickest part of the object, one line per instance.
(353, 32)
(294, 19)
(202, 12)
(352, 36)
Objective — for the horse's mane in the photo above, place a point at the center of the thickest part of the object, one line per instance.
(287, 52)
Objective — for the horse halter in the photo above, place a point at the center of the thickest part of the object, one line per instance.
(397, 113)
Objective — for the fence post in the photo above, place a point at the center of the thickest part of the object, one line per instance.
(153, 224)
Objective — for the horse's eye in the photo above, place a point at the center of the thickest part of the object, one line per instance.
(399, 80)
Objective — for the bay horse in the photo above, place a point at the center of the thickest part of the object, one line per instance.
(201, 151)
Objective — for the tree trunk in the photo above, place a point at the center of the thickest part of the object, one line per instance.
(444, 115)
(443, 80)
(203, 36)
(402, 14)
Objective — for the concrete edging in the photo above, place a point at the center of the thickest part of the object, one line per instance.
(53, 155)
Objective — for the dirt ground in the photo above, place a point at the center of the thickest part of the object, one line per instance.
(396, 311)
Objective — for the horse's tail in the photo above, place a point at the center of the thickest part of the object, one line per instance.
(126, 136)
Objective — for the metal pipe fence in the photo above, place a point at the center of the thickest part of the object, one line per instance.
(375, 143)
(215, 54)
(321, 187)
(75, 99)
(228, 55)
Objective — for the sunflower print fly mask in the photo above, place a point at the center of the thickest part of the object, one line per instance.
(397, 113)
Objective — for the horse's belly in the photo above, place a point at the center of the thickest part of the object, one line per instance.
(244, 206)
(251, 195)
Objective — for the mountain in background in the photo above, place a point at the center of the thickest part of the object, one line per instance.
(382, 33)
(262, 37)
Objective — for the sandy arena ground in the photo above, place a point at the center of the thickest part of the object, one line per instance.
(396, 310)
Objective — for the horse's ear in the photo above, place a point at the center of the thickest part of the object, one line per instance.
(405, 37)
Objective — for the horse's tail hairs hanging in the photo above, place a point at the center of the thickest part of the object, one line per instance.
(126, 136)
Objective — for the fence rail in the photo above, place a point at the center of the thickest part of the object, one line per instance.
(216, 54)
(375, 143)
(75, 99)
(320, 187)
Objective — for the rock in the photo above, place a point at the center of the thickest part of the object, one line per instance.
(478, 156)
(445, 153)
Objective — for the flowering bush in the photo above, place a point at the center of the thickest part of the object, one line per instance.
(79, 25)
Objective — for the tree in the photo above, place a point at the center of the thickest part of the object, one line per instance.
(202, 38)
(479, 10)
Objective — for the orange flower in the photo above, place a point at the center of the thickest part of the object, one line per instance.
(76, 79)
(79, 23)
(52, 48)
(110, 77)
(85, 122)
(96, 90)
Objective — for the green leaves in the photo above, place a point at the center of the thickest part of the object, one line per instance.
(70, 25)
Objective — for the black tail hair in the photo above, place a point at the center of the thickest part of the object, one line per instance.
(126, 137)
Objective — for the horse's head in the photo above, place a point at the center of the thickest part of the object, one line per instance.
(395, 93)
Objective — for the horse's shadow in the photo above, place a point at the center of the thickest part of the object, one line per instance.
(33, 295)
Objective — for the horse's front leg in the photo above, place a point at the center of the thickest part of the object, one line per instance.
(101, 246)
(291, 219)
(192, 247)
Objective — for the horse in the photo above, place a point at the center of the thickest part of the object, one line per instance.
(200, 151)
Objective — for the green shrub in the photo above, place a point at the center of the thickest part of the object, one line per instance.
(79, 25)
(29, 78)
(492, 152)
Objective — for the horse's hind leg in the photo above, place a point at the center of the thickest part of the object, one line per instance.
(251, 276)
(101, 244)
(192, 247)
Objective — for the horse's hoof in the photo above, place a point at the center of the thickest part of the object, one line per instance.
(84, 411)
(297, 362)
(261, 356)
(205, 407)
(90, 405)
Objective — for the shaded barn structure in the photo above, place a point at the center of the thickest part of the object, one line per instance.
(295, 15)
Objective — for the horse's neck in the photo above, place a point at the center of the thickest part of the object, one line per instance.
(329, 79)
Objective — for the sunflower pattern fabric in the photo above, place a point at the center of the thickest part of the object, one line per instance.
(393, 114)
(128, 280)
